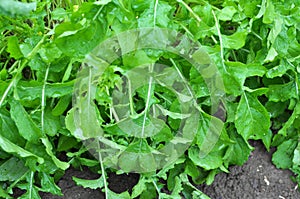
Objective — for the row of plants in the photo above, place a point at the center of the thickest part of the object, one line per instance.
(173, 90)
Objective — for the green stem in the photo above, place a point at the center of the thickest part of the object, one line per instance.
(155, 8)
(221, 41)
(31, 184)
(102, 171)
(157, 189)
(44, 100)
(96, 15)
(190, 10)
(130, 97)
(148, 100)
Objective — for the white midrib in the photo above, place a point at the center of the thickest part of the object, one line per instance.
(147, 105)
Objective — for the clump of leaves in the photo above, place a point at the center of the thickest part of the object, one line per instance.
(43, 45)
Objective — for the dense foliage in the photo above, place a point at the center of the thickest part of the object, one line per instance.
(253, 44)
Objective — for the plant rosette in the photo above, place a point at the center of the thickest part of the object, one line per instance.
(151, 112)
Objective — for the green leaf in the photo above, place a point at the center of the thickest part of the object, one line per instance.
(279, 70)
(14, 8)
(27, 128)
(37, 64)
(164, 135)
(287, 125)
(283, 157)
(138, 157)
(61, 105)
(83, 125)
(136, 127)
(236, 40)
(269, 14)
(3, 194)
(35, 87)
(199, 195)
(227, 13)
(59, 14)
(241, 71)
(196, 193)
(123, 195)
(198, 83)
(84, 119)
(75, 40)
(232, 84)
(177, 188)
(51, 123)
(12, 169)
(3, 76)
(48, 185)
(139, 188)
(238, 152)
(31, 189)
(272, 53)
(276, 108)
(70, 123)
(267, 140)
(49, 53)
(174, 172)
(10, 147)
(252, 119)
(136, 59)
(283, 92)
(212, 160)
(32, 194)
(92, 184)
(88, 162)
(48, 166)
(211, 176)
(150, 192)
(65, 143)
(8, 128)
(275, 30)
(193, 170)
(250, 8)
(67, 29)
(159, 13)
(296, 158)
(210, 131)
(58, 163)
(13, 47)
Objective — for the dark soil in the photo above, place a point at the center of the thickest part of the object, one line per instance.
(71, 191)
(116, 183)
(257, 179)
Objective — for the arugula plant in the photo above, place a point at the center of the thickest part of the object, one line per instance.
(253, 44)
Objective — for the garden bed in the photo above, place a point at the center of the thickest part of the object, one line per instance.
(178, 92)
